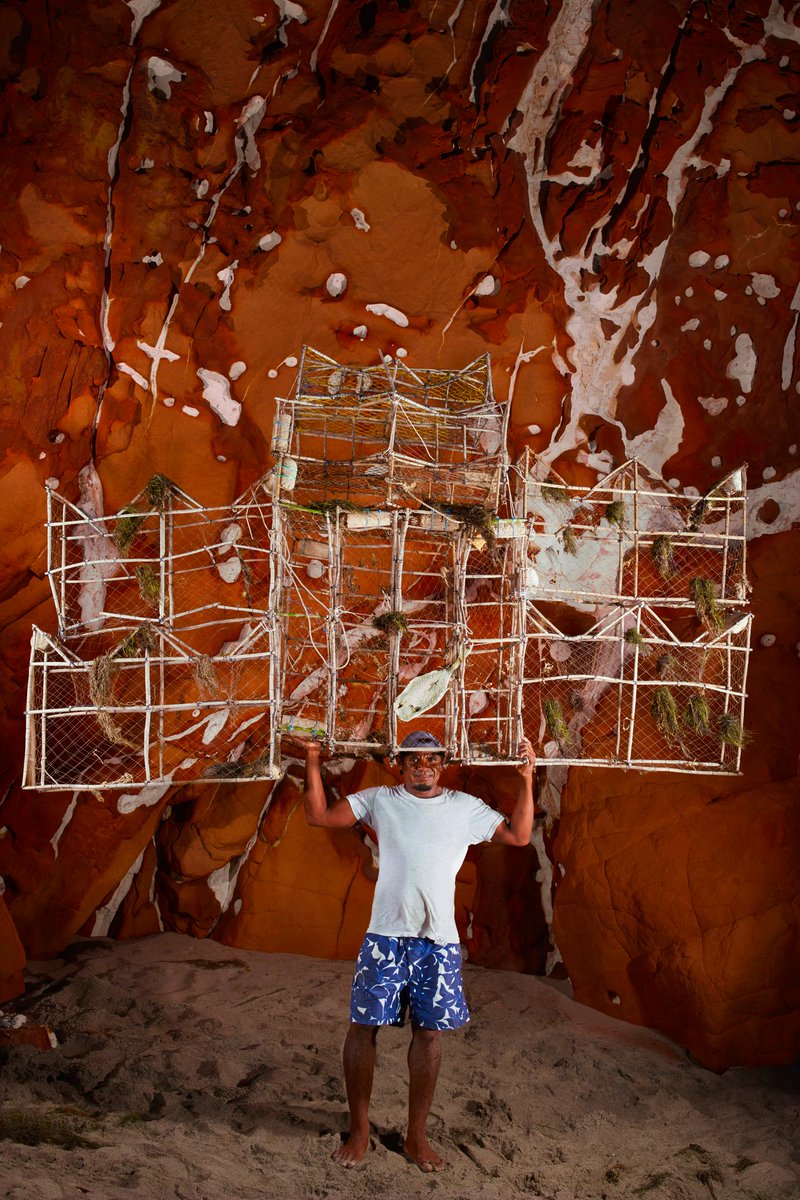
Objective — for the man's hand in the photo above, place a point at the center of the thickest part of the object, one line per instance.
(303, 746)
(528, 756)
(516, 831)
(339, 815)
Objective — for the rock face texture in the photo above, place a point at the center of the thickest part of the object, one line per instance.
(602, 196)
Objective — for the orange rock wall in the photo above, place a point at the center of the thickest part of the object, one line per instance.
(603, 197)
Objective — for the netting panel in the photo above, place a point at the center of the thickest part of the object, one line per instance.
(620, 694)
(183, 567)
(116, 721)
(623, 539)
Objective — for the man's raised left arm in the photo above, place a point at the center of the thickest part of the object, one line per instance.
(516, 829)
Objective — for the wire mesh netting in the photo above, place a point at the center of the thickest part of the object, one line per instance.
(382, 578)
(163, 559)
(373, 603)
(150, 709)
(627, 538)
(628, 691)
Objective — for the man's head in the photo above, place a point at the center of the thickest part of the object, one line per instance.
(421, 760)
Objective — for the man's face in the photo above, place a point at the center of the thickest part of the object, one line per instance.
(420, 771)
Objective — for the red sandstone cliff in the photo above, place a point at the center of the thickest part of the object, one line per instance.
(604, 198)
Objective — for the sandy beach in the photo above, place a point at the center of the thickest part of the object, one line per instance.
(187, 1069)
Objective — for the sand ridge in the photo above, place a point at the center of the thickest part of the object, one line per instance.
(194, 1070)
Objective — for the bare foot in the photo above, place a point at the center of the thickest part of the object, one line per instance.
(422, 1154)
(351, 1152)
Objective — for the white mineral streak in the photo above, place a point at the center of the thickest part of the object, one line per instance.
(312, 62)
(360, 220)
(146, 797)
(113, 163)
(391, 314)
(765, 286)
(488, 286)
(215, 724)
(21, 281)
(237, 369)
(140, 9)
(778, 24)
(135, 376)
(699, 258)
(99, 552)
(498, 14)
(336, 284)
(230, 569)
(217, 393)
(105, 915)
(154, 898)
(290, 12)
(713, 404)
(786, 494)
(161, 75)
(690, 326)
(598, 363)
(65, 820)
(743, 366)
(787, 364)
(590, 158)
(360, 332)
(246, 150)
(226, 277)
(270, 241)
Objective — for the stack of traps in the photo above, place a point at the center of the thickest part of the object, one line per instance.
(392, 571)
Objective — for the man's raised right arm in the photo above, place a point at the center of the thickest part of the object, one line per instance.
(339, 815)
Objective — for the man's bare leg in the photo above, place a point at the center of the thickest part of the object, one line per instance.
(358, 1057)
(424, 1058)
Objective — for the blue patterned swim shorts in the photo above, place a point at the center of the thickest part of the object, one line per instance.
(395, 974)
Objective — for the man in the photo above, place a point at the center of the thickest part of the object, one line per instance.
(411, 954)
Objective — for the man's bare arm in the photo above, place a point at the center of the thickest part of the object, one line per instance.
(339, 815)
(516, 830)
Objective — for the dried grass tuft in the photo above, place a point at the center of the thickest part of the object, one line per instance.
(474, 517)
(569, 540)
(102, 672)
(666, 666)
(615, 513)
(142, 640)
(157, 492)
(554, 493)
(665, 713)
(149, 583)
(731, 732)
(662, 552)
(554, 719)
(634, 637)
(704, 593)
(391, 622)
(697, 714)
(129, 522)
(205, 676)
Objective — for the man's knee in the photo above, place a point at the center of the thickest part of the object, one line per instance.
(426, 1036)
(363, 1033)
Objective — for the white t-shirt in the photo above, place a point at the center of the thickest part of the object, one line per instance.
(423, 842)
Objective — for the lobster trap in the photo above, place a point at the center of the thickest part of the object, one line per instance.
(631, 691)
(390, 435)
(389, 573)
